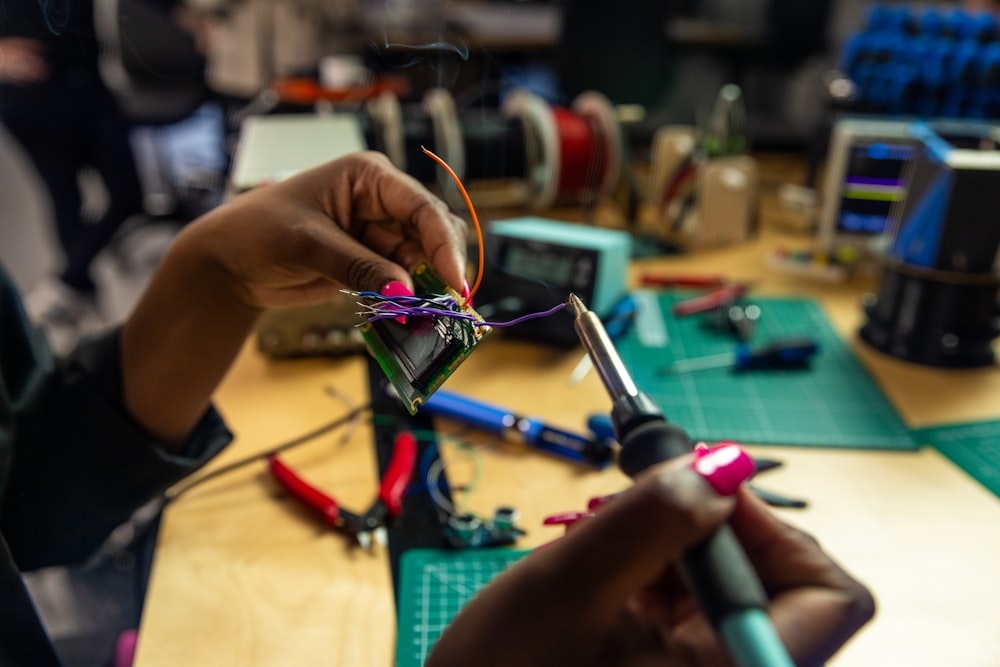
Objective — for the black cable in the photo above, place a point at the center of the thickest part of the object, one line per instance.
(277, 449)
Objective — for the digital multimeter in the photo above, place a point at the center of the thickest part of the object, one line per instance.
(533, 263)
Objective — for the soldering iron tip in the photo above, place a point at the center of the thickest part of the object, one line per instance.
(576, 304)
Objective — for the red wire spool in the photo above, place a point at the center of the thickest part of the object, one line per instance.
(582, 155)
(571, 152)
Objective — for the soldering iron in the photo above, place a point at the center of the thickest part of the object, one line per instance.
(717, 569)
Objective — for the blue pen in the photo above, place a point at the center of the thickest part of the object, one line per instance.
(502, 422)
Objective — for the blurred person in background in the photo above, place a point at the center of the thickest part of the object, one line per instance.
(249, 44)
(54, 102)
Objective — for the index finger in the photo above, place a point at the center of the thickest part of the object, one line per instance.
(816, 605)
(631, 541)
(441, 233)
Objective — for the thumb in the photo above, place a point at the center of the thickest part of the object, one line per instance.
(633, 539)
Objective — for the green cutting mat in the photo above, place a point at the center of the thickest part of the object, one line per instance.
(433, 586)
(834, 403)
(974, 447)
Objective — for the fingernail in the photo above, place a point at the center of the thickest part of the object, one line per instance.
(396, 288)
(566, 519)
(702, 448)
(466, 291)
(596, 502)
(725, 467)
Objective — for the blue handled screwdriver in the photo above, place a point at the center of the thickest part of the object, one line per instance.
(592, 450)
(780, 353)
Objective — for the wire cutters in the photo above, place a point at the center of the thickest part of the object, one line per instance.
(370, 526)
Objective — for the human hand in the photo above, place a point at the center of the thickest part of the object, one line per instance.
(608, 593)
(356, 222)
(22, 61)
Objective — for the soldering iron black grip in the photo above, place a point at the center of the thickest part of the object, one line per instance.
(650, 443)
(720, 576)
(717, 570)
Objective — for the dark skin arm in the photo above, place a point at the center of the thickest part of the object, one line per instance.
(356, 222)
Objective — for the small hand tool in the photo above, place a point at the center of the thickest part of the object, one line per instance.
(719, 297)
(681, 280)
(591, 450)
(782, 353)
(717, 570)
(370, 526)
(737, 319)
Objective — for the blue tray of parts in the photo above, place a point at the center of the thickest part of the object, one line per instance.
(833, 403)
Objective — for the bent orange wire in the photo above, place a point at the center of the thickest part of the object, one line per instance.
(475, 221)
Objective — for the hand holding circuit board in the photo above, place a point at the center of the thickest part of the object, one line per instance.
(420, 340)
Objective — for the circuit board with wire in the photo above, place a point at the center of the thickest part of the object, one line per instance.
(419, 341)
(418, 355)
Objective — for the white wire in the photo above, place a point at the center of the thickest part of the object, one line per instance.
(437, 468)
(433, 481)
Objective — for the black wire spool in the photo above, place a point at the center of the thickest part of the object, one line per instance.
(495, 145)
(417, 131)
(479, 144)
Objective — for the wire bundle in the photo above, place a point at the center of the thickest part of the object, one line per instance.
(378, 307)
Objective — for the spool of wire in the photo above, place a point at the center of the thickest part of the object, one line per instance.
(552, 153)
(572, 154)
(439, 105)
(386, 115)
(495, 145)
(418, 130)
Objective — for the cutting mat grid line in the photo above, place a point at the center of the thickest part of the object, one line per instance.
(434, 586)
(834, 403)
(972, 446)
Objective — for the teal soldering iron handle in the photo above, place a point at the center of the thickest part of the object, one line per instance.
(717, 570)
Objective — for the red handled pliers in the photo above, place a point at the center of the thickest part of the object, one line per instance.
(370, 526)
(721, 292)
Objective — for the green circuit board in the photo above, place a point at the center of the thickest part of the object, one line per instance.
(418, 356)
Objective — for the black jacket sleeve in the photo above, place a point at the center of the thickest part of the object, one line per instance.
(77, 464)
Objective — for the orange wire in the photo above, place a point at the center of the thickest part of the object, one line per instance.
(475, 221)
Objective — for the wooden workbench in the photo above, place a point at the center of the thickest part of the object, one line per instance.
(244, 578)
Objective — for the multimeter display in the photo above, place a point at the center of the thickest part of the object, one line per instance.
(873, 183)
(532, 264)
(527, 262)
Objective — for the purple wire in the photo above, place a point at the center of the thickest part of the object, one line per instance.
(529, 316)
(398, 310)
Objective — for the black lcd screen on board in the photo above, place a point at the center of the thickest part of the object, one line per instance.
(421, 347)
